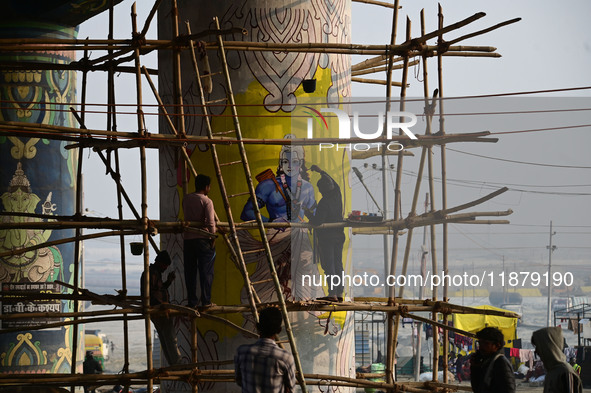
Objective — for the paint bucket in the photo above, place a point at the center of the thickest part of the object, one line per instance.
(136, 248)
(309, 85)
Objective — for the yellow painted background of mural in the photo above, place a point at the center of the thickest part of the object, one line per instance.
(257, 122)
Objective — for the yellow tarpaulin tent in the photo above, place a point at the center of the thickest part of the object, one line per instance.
(475, 322)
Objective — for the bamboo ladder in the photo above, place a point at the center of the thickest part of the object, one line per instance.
(233, 236)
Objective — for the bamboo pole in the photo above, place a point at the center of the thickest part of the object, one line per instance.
(428, 119)
(190, 165)
(430, 218)
(433, 251)
(165, 374)
(67, 314)
(390, 347)
(116, 177)
(144, 206)
(162, 108)
(373, 70)
(227, 322)
(412, 49)
(112, 125)
(375, 81)
(394, 321)
(480, 32)
(74, 66)
(74, 323)
(443, 195)
(231, 239)
(374, 2)
(42, 130)
(78, 233)
(194, 349)
(150, 17)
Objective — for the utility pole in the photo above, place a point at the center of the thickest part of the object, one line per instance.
(551, 249)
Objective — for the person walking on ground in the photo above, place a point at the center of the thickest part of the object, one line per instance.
(574, 365)
(560, 376)
(199, 248)
(490, 370)
(90, 366)
(263, 366)
(159, 296)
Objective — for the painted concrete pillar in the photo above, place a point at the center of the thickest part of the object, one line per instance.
(38, 175)
(269, 93)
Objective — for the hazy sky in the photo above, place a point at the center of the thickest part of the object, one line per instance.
(550, 48)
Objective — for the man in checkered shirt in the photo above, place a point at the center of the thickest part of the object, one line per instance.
(263, 367)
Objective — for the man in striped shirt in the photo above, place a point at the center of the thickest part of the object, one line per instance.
(263, 367)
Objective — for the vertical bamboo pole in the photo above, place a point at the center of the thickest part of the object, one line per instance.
(178, 91)
(77, 244)
(393, 321)
(424, 150)
(144, 206)
(261, 227)
(433, 263)
(112, 126)
(390, 345)
(194, 348)
(443, 185)
(240, 264)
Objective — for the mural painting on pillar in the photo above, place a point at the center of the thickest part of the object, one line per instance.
(268, 90)
(37, 177)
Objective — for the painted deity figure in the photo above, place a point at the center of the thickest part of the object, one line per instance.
(39, 265)
(287, 195)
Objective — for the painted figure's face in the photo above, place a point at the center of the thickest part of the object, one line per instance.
(19, 201)
(290, 163)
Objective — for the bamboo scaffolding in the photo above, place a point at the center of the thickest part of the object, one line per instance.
(121, 51)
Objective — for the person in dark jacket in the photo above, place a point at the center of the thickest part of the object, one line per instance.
(90, 366)
(560, 376)
(158, 296)
(330, 241)
(490, 370)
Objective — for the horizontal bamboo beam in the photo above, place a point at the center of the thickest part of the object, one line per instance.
(363, 155)
(374, 2)
(375, 81)
(74, 66)
(374, 62)
(40, 43)
(34, 315)
(157, 140)
(373, 70)
(59, 225)
(195, 375)
(176, 227)
(69, 323)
